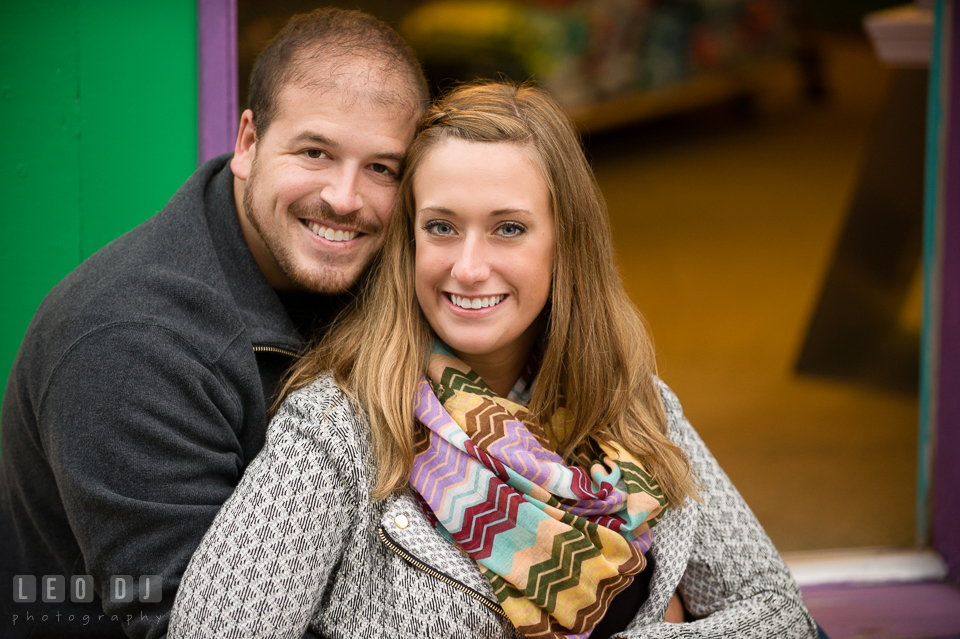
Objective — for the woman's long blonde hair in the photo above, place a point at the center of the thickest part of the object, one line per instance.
(598, 362)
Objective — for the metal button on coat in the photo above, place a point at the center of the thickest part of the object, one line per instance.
(401, 521)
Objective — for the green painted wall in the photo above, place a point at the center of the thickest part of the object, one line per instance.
(98, 102)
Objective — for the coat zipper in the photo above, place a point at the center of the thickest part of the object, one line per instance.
(275, 350)
(419, 565)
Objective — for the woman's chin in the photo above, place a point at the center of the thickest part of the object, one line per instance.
(473, 349)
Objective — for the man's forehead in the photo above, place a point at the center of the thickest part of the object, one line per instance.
(296, 104)
(353, 81)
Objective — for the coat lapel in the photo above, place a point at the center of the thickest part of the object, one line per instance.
(408, 527)
(672, 543)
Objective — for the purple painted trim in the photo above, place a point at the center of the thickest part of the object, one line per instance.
(885, 610)
(216, 77)
(946, 526)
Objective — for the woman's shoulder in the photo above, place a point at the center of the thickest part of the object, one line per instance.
(671, 404)
(321, 391)
(321, 410)
(715, 485)
(679, 429)
(677, 424)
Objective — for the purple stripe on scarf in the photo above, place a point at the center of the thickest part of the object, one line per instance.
(607, 506)
(427, 407)
(521, 451)
(437, 469)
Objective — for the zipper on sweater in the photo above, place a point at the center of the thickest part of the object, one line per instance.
(275, 350)
(419, 565)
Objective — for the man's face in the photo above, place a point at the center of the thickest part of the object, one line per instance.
(316, 190)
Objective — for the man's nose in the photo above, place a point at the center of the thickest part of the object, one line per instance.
(341, 191)
(472, 265)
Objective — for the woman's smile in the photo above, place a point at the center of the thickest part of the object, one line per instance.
(475, 303)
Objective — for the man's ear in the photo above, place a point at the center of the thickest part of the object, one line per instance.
(245, 148)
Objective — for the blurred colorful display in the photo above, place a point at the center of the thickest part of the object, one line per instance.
(587, 51)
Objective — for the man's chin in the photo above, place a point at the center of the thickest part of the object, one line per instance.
(327, 281)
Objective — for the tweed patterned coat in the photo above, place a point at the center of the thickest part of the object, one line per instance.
(301, 544)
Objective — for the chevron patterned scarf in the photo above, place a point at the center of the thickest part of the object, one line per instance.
(556, 543)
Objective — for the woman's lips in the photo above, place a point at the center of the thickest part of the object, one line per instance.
(474, 305)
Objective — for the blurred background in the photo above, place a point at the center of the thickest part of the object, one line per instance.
(731, 139)
(764, 172)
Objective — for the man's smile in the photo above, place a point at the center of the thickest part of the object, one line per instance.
(331, 234)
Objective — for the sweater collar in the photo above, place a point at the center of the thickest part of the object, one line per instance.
(266, 319)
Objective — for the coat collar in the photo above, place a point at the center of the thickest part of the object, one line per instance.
(671, 546)
(266, 320)
(407, 526)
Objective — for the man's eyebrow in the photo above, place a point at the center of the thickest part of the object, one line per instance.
(314, 138)
(395, 157)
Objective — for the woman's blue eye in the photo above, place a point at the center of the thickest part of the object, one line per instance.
(440, 228)
(511, 230)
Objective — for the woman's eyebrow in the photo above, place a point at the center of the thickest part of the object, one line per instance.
(445, 211)
(510, 212)
(437, 209)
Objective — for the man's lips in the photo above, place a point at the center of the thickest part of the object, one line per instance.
(320, 216)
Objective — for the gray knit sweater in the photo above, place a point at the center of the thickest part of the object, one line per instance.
(301, 544)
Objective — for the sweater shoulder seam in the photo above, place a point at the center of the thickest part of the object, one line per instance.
(210, 364)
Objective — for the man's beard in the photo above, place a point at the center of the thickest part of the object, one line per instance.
(319, 277)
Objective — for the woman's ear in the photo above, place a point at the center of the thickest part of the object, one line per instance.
(245, 148)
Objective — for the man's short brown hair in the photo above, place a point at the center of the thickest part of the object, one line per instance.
(336, 40)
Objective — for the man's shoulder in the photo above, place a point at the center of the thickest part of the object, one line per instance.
(143, 274)
(177, 243)
(163, 273)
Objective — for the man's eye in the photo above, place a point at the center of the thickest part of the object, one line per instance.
(511, 230)
(315, 154)
(383, 169)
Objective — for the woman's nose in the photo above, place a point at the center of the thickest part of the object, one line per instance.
(472, 264)
(341, 192)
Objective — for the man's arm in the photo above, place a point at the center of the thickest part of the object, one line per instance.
(141, 433)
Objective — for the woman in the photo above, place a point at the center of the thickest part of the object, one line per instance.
(492, 455)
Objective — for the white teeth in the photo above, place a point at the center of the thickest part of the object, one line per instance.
(334, 235)
(476, 302)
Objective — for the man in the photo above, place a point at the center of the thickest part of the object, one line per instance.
(141, 390)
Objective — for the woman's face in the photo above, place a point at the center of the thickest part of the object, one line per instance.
(484, 247)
